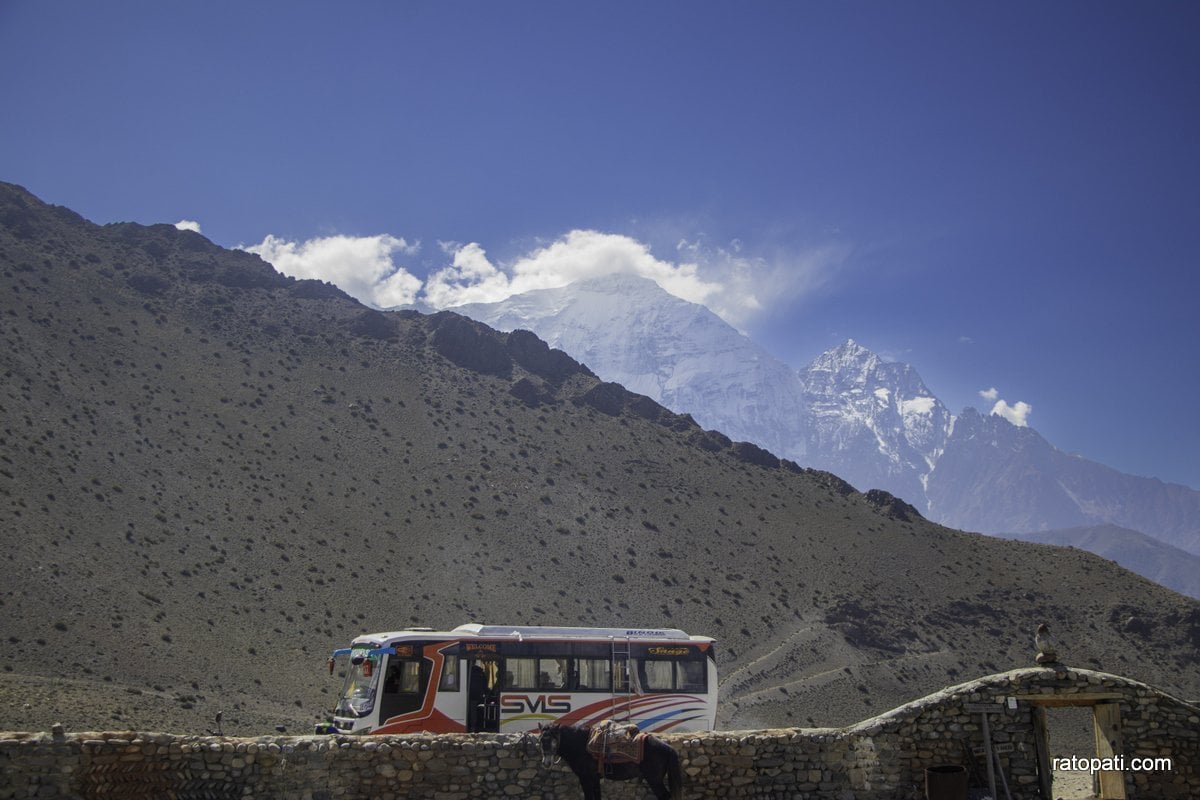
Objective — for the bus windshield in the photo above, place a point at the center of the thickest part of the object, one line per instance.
(358, 692)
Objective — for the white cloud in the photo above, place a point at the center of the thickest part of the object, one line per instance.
(470, 278)
(188, 225)
(580, 254)
(361, 266)
(724, 279)
(754, 284)
(1017, 414)
(727, 280)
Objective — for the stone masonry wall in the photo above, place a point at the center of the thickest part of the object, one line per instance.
(884, 757)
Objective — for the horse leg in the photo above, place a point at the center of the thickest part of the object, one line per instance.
(674, 775)
(592, 790)
(659, 788)
(655, 778)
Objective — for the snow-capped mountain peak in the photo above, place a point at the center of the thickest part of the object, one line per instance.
(631, 331)
(873, 422)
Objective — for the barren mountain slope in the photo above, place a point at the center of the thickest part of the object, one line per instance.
(1160, 562)
(211, 475)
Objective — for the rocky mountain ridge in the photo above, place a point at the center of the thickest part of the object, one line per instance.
(991, 464)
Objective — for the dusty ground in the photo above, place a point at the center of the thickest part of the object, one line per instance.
(35, 703)
(1072, 786)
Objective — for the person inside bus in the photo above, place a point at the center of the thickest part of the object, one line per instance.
(476, 695)
(391, 682)
(449, 680)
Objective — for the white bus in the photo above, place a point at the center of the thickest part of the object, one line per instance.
(508, 679)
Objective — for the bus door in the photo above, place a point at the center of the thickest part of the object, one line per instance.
(405, 681)
(483, 695)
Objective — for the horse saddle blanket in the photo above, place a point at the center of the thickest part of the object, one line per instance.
(611, 742)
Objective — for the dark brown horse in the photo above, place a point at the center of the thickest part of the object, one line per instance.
(659, 765)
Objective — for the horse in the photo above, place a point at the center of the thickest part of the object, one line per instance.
(659, 765)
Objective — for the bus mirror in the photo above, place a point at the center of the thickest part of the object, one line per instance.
(368, 668)
(331, 665)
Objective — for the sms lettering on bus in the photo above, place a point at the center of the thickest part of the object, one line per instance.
(538, 704)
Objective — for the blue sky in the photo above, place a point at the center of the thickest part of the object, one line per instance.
(1003, 195)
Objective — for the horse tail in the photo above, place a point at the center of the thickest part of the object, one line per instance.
(674, 775)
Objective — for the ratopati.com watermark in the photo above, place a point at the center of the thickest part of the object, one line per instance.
(1117, 763)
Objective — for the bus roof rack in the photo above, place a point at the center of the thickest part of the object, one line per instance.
(552, 631)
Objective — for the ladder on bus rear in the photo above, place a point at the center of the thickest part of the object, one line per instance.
(620, 648)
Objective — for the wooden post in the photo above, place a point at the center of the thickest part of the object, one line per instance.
(1107, 720)
(987, 755)
(990, 756)
(1042, 739)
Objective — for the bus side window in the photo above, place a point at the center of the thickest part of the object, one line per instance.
(449, 679)
(693, 676)
(520, 673)
(656, 675)
(660, 675)
(552, 673)
(593, 674)
(404, 684)
(403, 677)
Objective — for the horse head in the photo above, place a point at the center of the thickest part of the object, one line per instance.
(549, 739)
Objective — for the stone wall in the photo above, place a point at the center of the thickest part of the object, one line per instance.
(884, 757)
